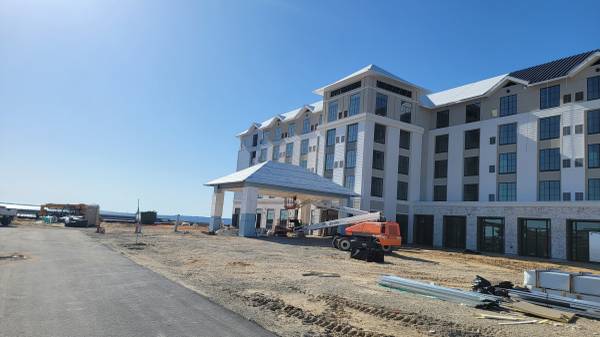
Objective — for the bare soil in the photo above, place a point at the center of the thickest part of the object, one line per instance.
(303, 287)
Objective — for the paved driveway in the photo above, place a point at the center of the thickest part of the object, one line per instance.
(70, 285)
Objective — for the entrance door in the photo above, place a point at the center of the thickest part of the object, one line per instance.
(535, 237)
(258, 219)
(402, 220)
(235, 219)
(270, 217)
(455, 232)
(490, 235)
(423, 230)
(579, 238)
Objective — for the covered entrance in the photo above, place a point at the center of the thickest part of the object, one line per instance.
(272, 179)
(490, 235)
(423, 230)
(455, 232)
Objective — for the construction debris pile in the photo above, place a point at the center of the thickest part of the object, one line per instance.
(548, 294)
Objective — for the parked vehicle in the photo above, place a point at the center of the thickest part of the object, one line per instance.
(7, 215)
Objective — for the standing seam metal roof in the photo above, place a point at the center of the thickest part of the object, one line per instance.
(551, 70)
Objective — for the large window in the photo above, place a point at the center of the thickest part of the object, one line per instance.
(376, 187)
(440, 169)
(534, 239)
(378, 161)
(441, 144)
(471, 192)
(330, 137)
(304, 147)
(332, 111)
(455, 232)
(593, 189)
(507, 134)
(351, 159)
(404, 139)
(289, 149)
(306, 125)
(292, 130)
(394, 89)
(381, 101)
(402, 191)
(507, 163)
(490, 235)
(379, 135)
(550, 97)
(550, 159)
(593, 122)
(406, 112)
(442, 119)
(549, 190)
(277, 133)
(354, 105)
(594, 156)
(472, 139)
(593, 88)
(304, 163)
(403, 164)
(579, 233)
(345, 89)
(471, 166)
(507, 191)
(550, 127)
(508, 105)
(263, 155)
(472, 113)
(352, 133)
(275, 154)
(329, 161)
(349, 182)
(439, 193)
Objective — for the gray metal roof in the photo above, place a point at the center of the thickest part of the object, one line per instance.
(283, 177)
(551, 70)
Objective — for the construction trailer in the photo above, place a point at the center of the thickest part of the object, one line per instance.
(73, 215)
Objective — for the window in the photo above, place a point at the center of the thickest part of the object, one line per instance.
(350, 158)
(472, 139)
(402, 191)
(566, 130)
(263, 155)
(507, 191)
(490, 236)
(277, 133)
(507, 163)
(566, 163)
(330, 137)
(275, 154)
(579, 96)
(345, 89)
(472, 113)
(593, 122)
(578, 162)
(534, 237)
(329, 161)
(381, 104)
(378, 161)
(578, 129)
(405, 112)
(578, 234)
(306, 125)
(292, 130)
(593, 189)
(508, 105)
(492, 140)
(332, 111)
(578, 196)
(376, 187)
(593, 155)
(441, 144)
(254, 140)
(304, 147)
(549, 160)
(549, 190)
(471, 166)
(354, 108)
(304, 163)
(492, 169)
(379, 135)
(507, 134)
(566, 98)
(550, 127)
(442, 119)
(491, 197)
(394, 89)
(404, 140)
(566, 196)
(403, 164)
(349, 182)
(289, 149)
(352, 133)
(471, 192)
(265, 137)
(439, 193)
(550, 97)
(593, 88)
(440, 169)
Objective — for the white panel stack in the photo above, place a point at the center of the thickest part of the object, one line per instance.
(575, 285)
(595, 246)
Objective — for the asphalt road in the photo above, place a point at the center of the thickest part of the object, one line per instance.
(70, 285)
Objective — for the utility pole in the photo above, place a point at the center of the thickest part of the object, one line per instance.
(177, 223)
(138, 218)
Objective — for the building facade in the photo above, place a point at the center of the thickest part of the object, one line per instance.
(509, 164)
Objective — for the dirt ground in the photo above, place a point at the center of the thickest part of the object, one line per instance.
(303, 287)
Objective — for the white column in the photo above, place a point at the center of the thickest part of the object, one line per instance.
(248, 212)
(216, 210)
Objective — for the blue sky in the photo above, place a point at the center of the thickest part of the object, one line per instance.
(109, 101)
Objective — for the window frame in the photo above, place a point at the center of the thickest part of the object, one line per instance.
(508, 105)
(507, 134)
(550, 97)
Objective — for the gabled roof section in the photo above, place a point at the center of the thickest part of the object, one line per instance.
(371, 69)
(554, 69)
(462, 93)
(283, 177)
(252, 126)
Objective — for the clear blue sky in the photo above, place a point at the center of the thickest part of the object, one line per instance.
(107, 101)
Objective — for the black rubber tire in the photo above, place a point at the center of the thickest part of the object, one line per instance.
(335, 242)
(6, 220)
(387, 249)
(344, 244)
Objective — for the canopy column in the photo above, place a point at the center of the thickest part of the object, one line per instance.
(248, 212)
(216, 209)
